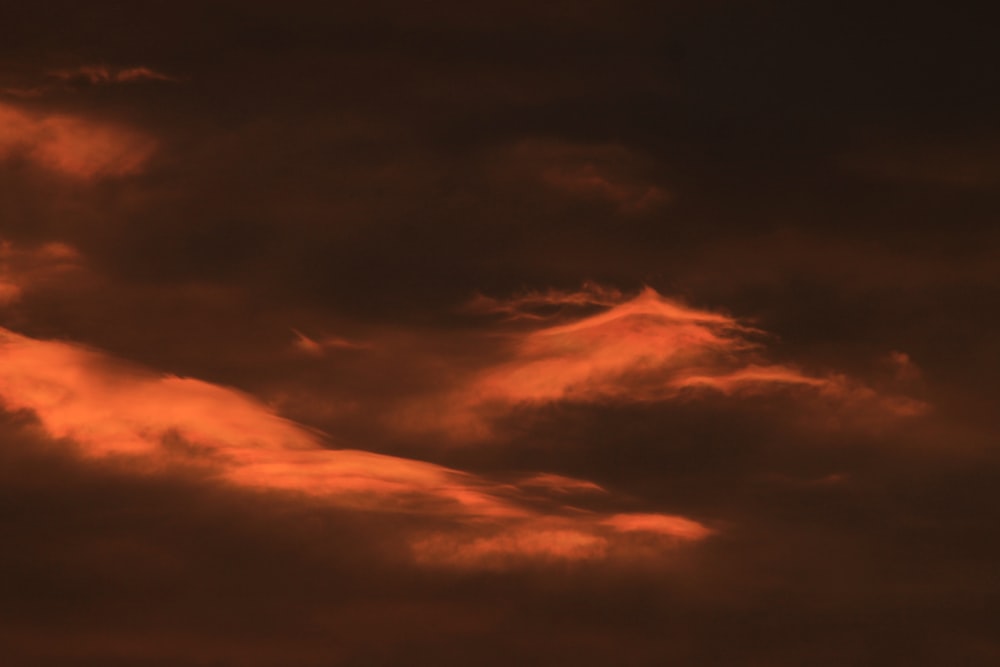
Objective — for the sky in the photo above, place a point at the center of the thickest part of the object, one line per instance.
(564, 333)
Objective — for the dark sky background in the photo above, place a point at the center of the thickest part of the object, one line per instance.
(531, 333)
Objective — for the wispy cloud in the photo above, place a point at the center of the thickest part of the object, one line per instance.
(604, 173)
(72, 145)
(321, 345)
(539, 305)
(26, 268)
(104, 74)
(643, 348)
(152, 422)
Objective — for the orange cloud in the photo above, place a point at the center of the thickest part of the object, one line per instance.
(71, 145)
(109, 409)
(585, 537)
(543, 305)
(560, 484)
(640, 349)
(671, 526)
(319, 347)
(502, 550)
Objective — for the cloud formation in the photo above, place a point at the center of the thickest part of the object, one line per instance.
(112, 410)
(71, 145)
(638, 349)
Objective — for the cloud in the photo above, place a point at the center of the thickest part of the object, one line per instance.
(27, 268)
(355, 172)
(608, 174)
(639, 349)
(318, 348)
(586, 538)
(499, 551)
(674, 526)
(152, 422)
(71, 145)
(541, 305)
(560, 484)
(103, 74)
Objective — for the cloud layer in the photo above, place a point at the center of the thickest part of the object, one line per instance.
(544, 333)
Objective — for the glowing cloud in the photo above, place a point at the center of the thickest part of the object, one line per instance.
(671, 526)
(586, 537)
(319, 347)
(502, 550)
(71, 145)
(560, 484)
(640, 349)
(544, 305)
(109, 409)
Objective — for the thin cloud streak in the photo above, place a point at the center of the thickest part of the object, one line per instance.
(103, 74)
(318, 347)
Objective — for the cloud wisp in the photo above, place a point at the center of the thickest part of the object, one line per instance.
(104, 74)
(634, 349)
(23, 269)
(71, 145)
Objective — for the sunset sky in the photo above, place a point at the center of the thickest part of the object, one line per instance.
(491, 334)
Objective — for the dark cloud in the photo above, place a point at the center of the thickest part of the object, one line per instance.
(372, 216)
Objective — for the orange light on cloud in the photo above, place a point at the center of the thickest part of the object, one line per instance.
(23, 269)
(318, 347)
(560, 484)
(638, 349)
(583, 537)
(530, 304)
(71, 145)
(109, 409)
(502, 550)
(641, 349)
(661, 524)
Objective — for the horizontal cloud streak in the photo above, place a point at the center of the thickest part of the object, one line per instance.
(103, 74)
